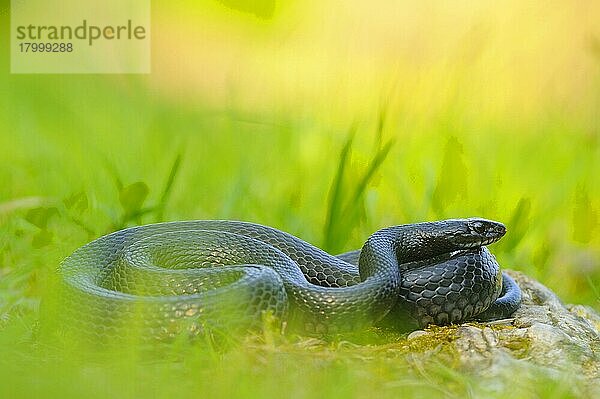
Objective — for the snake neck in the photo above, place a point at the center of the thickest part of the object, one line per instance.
(397, 245)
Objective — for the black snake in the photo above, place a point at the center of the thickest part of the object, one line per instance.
(188, 276)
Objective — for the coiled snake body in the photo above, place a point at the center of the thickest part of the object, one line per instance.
(186, 276)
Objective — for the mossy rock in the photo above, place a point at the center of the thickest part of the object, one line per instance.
(543, 337)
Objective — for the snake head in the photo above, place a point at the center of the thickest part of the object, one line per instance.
(475, 232)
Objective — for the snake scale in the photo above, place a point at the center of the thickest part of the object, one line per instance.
(188, 276)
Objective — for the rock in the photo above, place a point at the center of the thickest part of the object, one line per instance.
(416, 334)
(543, 336)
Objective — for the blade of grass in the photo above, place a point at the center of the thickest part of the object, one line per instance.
(335, 193)
(343, 216)
(517, 226)
(374, 165)
(160, 208)
(352, 209)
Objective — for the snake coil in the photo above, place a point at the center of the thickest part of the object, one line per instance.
(188, 276)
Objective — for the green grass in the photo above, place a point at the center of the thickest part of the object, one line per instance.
(81, 156)
(136, 170)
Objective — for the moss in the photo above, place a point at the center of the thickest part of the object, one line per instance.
(435, 340)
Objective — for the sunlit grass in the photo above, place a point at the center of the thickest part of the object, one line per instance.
(228, 171)
(219, 177)
(451, 114)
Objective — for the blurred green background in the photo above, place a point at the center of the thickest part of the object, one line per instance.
(328, 120)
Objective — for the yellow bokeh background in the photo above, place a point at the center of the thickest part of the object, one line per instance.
(507, 59)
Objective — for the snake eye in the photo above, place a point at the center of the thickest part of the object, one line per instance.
(479, 228)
